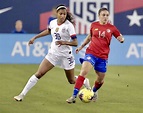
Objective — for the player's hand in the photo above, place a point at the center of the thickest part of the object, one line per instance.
(59, 43)
(77, 50)
(120, 39)
(31, 41)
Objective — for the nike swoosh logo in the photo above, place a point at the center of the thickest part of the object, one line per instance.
(5, 10)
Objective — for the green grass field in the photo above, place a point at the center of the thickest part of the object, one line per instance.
(122, 91)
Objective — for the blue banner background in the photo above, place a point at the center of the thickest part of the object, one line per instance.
(14, 49)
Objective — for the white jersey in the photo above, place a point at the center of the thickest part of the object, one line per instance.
(61, 32)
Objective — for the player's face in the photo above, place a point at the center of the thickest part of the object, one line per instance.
(61, 15)
(103, 17)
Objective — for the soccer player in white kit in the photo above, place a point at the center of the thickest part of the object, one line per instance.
(64, 37)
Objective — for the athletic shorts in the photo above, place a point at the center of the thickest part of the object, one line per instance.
(98, 63)
(65, 62)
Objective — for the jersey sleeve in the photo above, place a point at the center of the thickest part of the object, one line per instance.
(116, 32)
(49, 26)
(51, 22)
(71, 30)
(91, 29)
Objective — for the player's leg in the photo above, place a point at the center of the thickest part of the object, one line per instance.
(100, 70)
(99, 81)
(86, 67)
(70, 76)
(44, 67)
(68, 63)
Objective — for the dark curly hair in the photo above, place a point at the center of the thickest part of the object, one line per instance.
(69, 15)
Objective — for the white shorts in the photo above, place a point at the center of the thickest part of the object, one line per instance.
(66, 63)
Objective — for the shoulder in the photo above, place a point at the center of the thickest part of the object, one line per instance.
(50, 19)
(53, 21)
(68, 23)
(94, 23)
(111, 26)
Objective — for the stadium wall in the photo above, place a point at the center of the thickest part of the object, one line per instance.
(15, 50)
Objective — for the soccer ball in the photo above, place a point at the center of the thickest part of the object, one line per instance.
(85, 95)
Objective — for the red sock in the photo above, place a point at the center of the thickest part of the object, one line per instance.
(97, 85)
(79, 82)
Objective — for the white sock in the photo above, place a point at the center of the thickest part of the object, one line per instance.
(31, 82)
(85, 83)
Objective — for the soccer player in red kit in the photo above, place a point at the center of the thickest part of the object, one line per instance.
(97, 52)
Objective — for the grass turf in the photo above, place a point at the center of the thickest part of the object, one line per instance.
(122, 91)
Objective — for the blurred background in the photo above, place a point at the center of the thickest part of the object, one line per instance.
(126, 15)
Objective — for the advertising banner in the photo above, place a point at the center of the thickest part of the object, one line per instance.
(14, 49)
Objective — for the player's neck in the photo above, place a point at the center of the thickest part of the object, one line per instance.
(103, 23)
(60, 22)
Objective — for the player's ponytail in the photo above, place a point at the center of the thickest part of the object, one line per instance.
(70, 18)
(69, 15)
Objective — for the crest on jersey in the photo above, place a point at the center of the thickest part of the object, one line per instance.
(108, 30)
(57, 29)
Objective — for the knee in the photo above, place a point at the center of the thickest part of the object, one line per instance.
(71, 81)
(83, 73)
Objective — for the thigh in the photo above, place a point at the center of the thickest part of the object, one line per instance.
(68, 62)
(101, 65)
(85, 68)
(53, 59)
(87, 63)
(44, 67)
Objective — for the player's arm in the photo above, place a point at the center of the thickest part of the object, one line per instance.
(120, 39)
(71, 31)
(74, 42)
(85, 42)
(118, 35)
(43, 33)
(72, 34)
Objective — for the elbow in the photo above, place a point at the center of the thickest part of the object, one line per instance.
(76, 44)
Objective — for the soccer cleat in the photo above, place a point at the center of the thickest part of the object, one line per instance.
(86, 84)
(19, 97)
(71, 100)
(95, 97)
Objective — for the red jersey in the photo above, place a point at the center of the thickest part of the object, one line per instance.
(100, 39)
